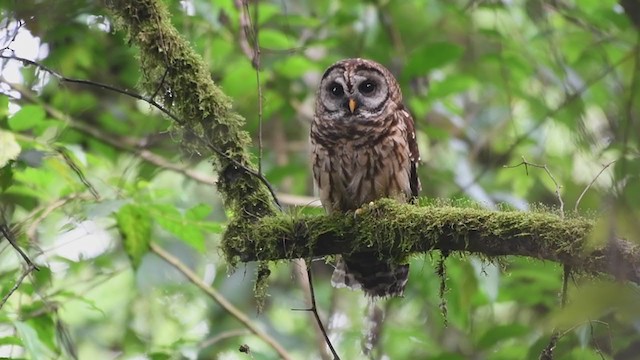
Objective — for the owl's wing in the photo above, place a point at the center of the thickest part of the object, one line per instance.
(414, 153)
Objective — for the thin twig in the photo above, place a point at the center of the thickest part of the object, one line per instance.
(166, 59)
(256, 61)
(442, 275)
(547, 352)
(245, 34)
(76, 169)
(12, 38)
(153, 103)
(634, 84)
(313, 309)
(222, 336)
(129, 145)
(575, 208)
(300, 270)
(15, 287)
(249, 34)
(62, 78)
(45, 211)
(546, 169)
(9, 236)
(221, 300)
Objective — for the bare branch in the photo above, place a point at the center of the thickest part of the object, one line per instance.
(546, 169)
(222, 336)
(575, 208)
(221, 300)
(8, 234)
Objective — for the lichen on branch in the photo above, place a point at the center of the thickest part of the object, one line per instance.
(395, 231)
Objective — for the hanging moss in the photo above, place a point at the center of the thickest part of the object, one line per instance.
(261, 285)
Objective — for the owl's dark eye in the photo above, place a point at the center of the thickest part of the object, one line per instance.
(336, 89)
(367, 87)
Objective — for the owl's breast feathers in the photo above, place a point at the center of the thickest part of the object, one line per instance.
(356, 163)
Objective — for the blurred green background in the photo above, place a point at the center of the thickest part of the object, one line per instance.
(488, 83)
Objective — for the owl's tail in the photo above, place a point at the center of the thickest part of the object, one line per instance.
(374, 277)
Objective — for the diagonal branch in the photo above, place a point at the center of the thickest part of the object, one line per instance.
(221, 300)
(395, 231)
(174, 71)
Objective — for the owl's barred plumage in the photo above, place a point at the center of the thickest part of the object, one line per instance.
(363, 148)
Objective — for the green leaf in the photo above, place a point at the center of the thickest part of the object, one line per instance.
(4, 106)
(451, 85)
(134, 224)
(430, 57)
(240, 81)
(10, 340)
(31, 341)
(275, 40)
(198, 212)
(10, 148)
(500, 333)
(186, 229)
(27, 117)
(159, 356)
(294, 67)
(267, 11)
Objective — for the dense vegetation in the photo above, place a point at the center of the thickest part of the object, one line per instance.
(529, 105)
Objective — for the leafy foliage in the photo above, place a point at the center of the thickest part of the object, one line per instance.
(90, 178)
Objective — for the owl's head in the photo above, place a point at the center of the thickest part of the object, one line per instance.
(357, 90)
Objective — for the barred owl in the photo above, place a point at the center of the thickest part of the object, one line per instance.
(363, 148)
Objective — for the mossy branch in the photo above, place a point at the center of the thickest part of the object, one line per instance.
(395, 231)
(176, 76)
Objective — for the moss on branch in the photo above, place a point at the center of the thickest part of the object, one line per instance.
(395, 231)
(176, 76)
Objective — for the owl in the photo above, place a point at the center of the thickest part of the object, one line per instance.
(363, 147)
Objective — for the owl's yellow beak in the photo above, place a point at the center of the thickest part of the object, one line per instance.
(352, 105)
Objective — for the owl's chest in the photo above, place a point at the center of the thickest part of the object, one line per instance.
(361, 173)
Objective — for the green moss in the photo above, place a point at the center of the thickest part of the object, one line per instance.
(394, 231)
(261, 285)
(180, 80)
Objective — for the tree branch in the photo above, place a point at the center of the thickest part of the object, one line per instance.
(172, 70)
(394, 231)
(221, 300)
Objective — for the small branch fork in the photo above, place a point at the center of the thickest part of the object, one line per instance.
(7, 233)
(314, 310)
(546, 169)
(568, 100)
(547, 352)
